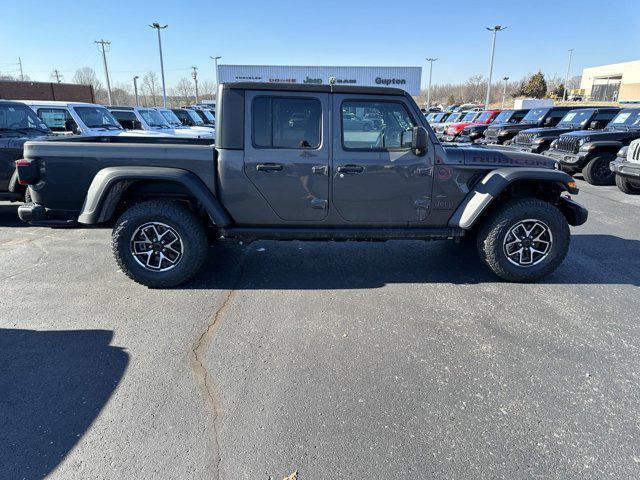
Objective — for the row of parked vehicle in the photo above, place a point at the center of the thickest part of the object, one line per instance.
(587, 140)
(21, 121)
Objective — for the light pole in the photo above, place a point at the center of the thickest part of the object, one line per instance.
(102, 44)
(215, 61)
(158, 27)
(194, 74)
(135, 89)
(430, 60)
(504, 91)
(495, 30)
(566, 79)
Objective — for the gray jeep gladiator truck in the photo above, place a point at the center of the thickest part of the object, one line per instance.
(315, 178)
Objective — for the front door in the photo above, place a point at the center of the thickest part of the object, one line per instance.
(377, 177)
(286, 154)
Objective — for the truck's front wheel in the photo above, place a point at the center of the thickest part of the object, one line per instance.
(159, 243)
(524, 240)
(597, 171)
(628, 186)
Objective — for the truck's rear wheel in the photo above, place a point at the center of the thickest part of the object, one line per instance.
(627, 186)
(159, 243)
(597, 171)
(524, 240)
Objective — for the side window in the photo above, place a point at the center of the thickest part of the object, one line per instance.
(376, 125)
(286, 122)
(516, 117)
(57, 119)
(126, 119)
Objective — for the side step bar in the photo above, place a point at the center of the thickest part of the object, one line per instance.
(364, 234)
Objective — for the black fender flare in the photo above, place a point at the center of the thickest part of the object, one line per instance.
(494, 183)
(591, 148)
(14, 186)
(109, 184)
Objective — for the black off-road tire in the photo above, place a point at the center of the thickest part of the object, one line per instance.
(627, 186)
(597, 171)
(177, 216)
(497, 225)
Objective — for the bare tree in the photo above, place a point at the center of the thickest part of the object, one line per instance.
(121, 95)
(87, 76)
(150, 88)
(184, 91)
(207, 89)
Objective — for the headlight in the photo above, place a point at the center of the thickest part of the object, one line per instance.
(554, 143)
(502, 133)
(582, 141)
(622, 153)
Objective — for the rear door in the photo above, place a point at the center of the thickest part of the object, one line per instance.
(377, 177)
(286, 152)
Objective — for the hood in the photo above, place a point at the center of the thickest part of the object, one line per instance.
(548, 132)
(606, 134)
(513, 126)
(478, 155)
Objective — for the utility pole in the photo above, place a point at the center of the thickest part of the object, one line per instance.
(566, 79)
(101, 46)
(135, 89)
(159, 27)
(21, 72)
(430, 60)
(504, 91)
(495, 30)
(57, 76)
(194, 74)
(215, 61)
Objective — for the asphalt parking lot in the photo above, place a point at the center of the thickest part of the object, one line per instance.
(389, 360)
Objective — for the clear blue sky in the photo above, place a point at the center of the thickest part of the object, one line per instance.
(60, 34)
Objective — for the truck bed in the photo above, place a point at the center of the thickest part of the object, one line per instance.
(68, 165)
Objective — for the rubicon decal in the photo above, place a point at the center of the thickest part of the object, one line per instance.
(521, 162)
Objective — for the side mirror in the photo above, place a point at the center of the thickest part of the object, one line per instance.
(596, 125)
(549, 121)
(136, 125)
(419, 140)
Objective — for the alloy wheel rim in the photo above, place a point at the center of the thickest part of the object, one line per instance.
(528, 243)
(157, 246)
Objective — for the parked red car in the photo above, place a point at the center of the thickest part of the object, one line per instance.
(453, 131)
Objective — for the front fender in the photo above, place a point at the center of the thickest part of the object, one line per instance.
(109, 183)
(609, 145)
(494, 183)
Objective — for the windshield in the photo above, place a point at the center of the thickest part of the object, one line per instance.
(454, 117)
(17, 118)
(627, 118)
(171, 118)
(470, 117)
(503, 116)
(535, 115)
(575, 117)
(153, 118)
(438, 117)
(97, 117)
(194, 116)
(208, 115)
(484, 117)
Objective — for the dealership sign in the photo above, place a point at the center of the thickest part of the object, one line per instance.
(406, 78)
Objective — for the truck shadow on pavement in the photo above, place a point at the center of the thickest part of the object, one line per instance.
(592, 259)
(53, 386)
(9, 215)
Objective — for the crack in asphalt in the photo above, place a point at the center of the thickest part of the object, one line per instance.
(204, 378)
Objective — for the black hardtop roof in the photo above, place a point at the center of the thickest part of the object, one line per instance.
(303, 87)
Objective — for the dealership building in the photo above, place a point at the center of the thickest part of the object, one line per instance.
(614, 82)
(406, 78)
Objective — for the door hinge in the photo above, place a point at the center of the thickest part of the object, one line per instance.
(319, 204)
(423, 171)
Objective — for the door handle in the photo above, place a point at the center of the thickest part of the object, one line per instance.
(269, 167)
(351, 169)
